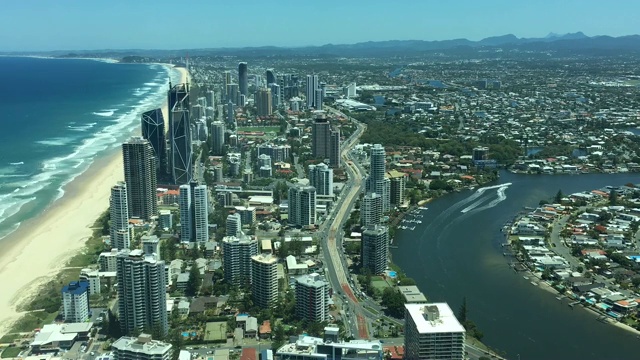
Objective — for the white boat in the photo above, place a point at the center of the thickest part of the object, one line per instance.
(412, 228)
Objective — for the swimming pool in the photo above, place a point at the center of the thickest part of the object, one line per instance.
(393, 274)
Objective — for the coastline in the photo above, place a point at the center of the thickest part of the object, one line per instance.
(41, 247)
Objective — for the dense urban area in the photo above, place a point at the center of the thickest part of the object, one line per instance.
(255, 216)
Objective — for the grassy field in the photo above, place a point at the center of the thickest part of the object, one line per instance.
(10, 352)
(379, 283)
(9, 338)
(266, 129)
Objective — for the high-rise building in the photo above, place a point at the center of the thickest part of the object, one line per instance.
(247, 214)
(276, 95)
(217, 138)
(321, 177)
(75, 302)
(397, 182)
(277, 153)
(226, 78)
(180, 147)
(271, 77)
(319, 98)
(151, 246)
(234, 225)
(371, 209)
(377, 182)
(302, 205)
(211, 99)
(185, 206)
(201, 213)
(93, 277)
(140, 177)
(242, 79)
(334, 148)
(142, 299)
(320, 136)
(431, 331)
(264, 102)
(312, 85)
(312, 298)
(349, 91)
(141, 348)
(233, 94)
(119, 237)
(375, 248)
(264, 280)
(236, 255)
(231, 116)
(153, 131)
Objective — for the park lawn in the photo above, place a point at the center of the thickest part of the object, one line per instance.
(379, 283)
(11, 352)
(265, 129)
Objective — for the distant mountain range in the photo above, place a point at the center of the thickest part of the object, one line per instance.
(566, 44)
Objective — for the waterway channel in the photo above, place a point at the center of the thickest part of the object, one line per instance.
(456, 252)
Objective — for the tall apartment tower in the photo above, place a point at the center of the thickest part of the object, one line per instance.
(321, 177)
(236, 255)
(302, 205)
(75, 302)
(377, 181)
(180, 143)
(264, 102)
(201, 213)
(334, 148)
(217, 138)
(142, 299)
(397, 183)
(185, 206)
(226, 78)
(319, 98)
(312, 85)
(271, 77)
(234, 225)
(264, 280)
(242, 79)
(431, 331)
(153, 131)
(375, 248)
(119, 236)
(320, 136)
(140, 177)
(312, 298)
(371, 209)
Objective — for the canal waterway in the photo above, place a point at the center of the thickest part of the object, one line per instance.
(456, 252)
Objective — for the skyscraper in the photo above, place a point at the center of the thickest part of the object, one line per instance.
(318, 100)
(264, 102)
(264, 280)
(371, 209)
(312, 298)
(302, 205)
(242, 79)
(271, 77)
(276, 95)
(397, 181)
(320, 136)
(180, 147)
(153, 131)
(217, 138)
(75, 302)
(321, 177)
(312, 85)
(119, 237)
(431, 331)
(377, 182)
(234, 225)
(141, 293)
(226, 78)
(201, 213)
(185, 205)
(375, 248)
(140, 176)
(334, 148)
(237, 254)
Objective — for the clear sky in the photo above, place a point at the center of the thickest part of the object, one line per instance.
(180, 24)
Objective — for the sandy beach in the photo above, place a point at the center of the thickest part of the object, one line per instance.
(40, 248)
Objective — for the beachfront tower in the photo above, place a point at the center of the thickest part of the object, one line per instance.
(142, 299)
(180, 148)
(375, 248)
(431, 331)
(242, 79)
(75, 302)
(119, 237)
(153, 130)
(264, 280)
(237, 254)
(140, 175)
(377, 181)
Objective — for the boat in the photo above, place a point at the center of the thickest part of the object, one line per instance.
(412, 228)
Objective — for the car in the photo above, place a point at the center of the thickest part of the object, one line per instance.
(93, 353)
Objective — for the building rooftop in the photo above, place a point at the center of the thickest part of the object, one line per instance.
(142, 344)
(434, 318)
(313, 280)
(51, 333)
(265, 259)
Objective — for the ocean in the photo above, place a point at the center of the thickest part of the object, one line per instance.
(58, 116)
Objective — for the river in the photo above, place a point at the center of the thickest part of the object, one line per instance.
(456, 253)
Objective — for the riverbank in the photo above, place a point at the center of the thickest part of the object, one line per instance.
(42, 247)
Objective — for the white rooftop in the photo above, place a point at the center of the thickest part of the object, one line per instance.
(446, 321)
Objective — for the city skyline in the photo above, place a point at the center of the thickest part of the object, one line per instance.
(22, 25)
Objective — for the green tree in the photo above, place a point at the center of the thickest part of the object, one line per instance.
(613, 198)
(462, 312)
(193, 285)
(558, 198)
(393, 300)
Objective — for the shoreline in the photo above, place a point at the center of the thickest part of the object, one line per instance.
(59, 232)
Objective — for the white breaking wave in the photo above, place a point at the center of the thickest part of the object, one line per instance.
(105, 113)
(55, 141)
(17, 163)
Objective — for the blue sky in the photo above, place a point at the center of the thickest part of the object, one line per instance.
(179, 24)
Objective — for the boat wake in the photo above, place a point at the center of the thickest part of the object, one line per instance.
(17, 163)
